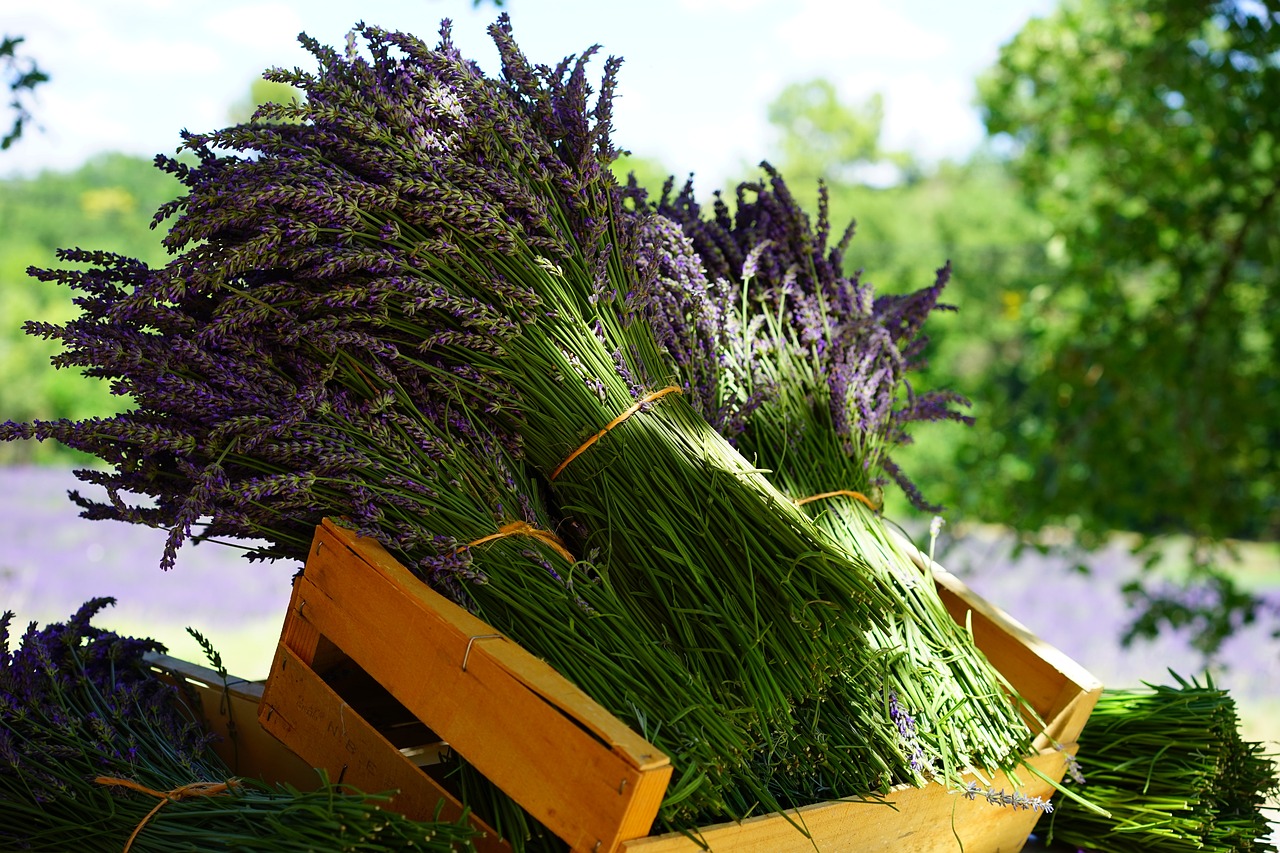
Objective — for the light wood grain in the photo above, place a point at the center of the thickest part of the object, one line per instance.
(301, 710)
(912, 820)
(567, 761)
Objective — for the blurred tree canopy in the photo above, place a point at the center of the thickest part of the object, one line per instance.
(1147, 133)
(21, 76)
(106, 204)
(824, 138)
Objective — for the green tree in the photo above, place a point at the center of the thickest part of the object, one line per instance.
(822, 137)
(21, 75)
(1147, 132)
(106, 204)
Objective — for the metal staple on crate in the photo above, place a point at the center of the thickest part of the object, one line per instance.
(472, 640)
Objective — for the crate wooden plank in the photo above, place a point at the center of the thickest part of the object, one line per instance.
(231, 712)
(1061, 691)
(301, 710)
(913, 820)
(566, 760)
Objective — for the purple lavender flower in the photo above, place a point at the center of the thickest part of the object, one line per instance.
(860, 347)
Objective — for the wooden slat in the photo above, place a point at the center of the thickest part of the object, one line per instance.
(301, 710)
(1062, 692)
(920, 820)
(567, 761)
(231, 713)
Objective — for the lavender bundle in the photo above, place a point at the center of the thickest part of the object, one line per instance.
(92, 742)
(454, 243)
(813, 371)
(289, 435)
(1170, 766)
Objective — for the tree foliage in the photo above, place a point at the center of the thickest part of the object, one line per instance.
(21, 75)
(107, 203)
(1147, 132)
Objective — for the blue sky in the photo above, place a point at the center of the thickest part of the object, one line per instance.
(698, 74)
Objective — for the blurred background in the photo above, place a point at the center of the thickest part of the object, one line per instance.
(1101, 174)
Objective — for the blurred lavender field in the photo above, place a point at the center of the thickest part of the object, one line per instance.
(51, 561)
(1084, 615)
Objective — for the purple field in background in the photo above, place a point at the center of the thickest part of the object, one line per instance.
(51, 561)
(1084, 615)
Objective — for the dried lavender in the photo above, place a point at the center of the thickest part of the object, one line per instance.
(820, 369)
(424, 228)
(424, 480)
(86, 729)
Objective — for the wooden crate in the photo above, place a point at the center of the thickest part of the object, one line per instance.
(358, 615)
(373, 666)
(230, 712)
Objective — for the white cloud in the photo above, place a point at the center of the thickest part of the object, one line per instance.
(858, 30)
(266, 28)
(931, 116)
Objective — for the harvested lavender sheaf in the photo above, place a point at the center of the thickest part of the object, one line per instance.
(818, 368)
(91, 741)
(1170, 766)
(423, 270)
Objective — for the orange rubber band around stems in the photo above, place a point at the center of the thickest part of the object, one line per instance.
(521, 528)
(839, 493)
(182, 792)
(656, 395)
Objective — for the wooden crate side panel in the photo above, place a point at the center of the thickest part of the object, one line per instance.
(960, 599)
(1061, 691)
(920, 820)
(301, 710)
(232, 715)
(534, 673)
(581, 789)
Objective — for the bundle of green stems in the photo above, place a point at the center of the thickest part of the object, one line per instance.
(1169, 763)
(963, 713)
(817, 367)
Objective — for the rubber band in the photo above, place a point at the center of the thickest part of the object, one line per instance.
(183, 792)
(656, 395)
(840, 493)
(520, 528)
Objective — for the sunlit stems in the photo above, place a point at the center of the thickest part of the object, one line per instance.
(1170, 766)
